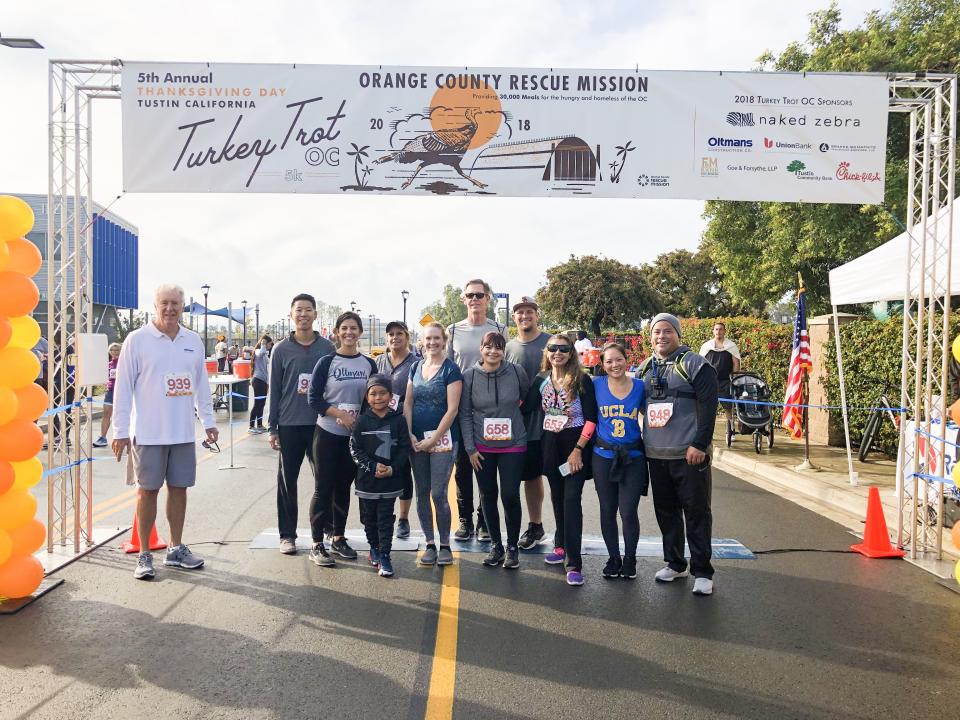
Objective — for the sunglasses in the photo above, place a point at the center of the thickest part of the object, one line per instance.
(474, 296)
(559, 348)
(211, 446)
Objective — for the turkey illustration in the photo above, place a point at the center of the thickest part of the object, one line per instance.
(438, 147)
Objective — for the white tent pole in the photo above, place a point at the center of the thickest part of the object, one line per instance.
(843, 397)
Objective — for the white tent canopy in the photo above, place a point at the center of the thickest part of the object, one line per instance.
(881, 273)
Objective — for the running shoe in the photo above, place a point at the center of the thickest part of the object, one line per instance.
(512, 560)
(556, 557)
(668, 574)
(464, 531)
(252, 431)
(403, 528)
(373, 557)
(574, 577)
(144, 570)
(181, 557)
(483, 534)
(320, 556)
(532, 536)
(613, 567)
(444, 556)
(100, 442)
(386, 566)
(429, 556)
(288, 546)
(342, 548)
(629, 569)
(495, 556)
(703, 586)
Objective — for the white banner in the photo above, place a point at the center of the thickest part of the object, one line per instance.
(196, 127)
(936, 460)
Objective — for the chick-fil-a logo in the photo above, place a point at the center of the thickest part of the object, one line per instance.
(843, 173)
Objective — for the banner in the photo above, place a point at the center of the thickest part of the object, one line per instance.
(197, 127)
(936, 459)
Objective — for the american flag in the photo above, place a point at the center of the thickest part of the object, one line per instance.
(792, 418)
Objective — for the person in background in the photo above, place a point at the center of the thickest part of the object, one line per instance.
(526, 350)
(395, 363)
(582, 344)
(724, 355)
(220, 353)
(380, 446)
(261, 385)
(463, 348)
(113, 354)
(233, 352)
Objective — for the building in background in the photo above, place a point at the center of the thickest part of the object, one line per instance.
(115, 265)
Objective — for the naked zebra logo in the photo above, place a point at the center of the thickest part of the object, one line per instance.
(739, 119)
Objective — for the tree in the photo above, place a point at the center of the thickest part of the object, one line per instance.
(760, 247)
(594, 292)
(689, 284)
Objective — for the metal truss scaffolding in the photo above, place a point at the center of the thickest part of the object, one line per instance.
(931, 101)
(73, 85)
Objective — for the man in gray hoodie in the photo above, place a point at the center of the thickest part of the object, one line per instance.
(291, 419)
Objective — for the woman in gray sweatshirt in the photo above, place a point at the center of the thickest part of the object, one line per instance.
(495, 438)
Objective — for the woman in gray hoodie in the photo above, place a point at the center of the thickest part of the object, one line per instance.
(495, 438)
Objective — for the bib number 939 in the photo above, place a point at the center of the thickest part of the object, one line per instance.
(178, 385)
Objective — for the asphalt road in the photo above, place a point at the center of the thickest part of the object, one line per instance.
(259, 635)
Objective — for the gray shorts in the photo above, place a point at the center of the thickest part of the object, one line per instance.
(177, 464)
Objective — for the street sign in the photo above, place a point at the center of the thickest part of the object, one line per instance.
(426, 319)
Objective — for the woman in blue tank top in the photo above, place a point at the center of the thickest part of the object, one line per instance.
(619, 465)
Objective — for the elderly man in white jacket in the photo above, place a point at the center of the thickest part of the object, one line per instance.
(724, 355)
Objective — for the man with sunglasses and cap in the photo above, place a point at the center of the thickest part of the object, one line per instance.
(161, 383)
(526, 350)
(463, 348)
(678, 422)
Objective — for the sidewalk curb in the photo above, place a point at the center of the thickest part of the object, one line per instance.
(850, 501)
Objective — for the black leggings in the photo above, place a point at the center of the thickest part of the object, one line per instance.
(565, 495)
(334, 471)
(510, 466)
(259, 391)
(622, 496)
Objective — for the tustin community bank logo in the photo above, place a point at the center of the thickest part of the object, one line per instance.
(799, 170)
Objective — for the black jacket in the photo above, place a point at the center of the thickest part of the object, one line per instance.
(379, 440)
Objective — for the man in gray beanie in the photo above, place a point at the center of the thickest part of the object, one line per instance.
(681, 392)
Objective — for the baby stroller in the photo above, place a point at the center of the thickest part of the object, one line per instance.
(749, 418)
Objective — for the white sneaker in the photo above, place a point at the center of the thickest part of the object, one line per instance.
(668, 574)
(703, 586)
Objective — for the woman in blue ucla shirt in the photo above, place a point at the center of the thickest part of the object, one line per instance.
(619, 466)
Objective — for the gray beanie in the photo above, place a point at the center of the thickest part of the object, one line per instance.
(378, 379)
(672, 319)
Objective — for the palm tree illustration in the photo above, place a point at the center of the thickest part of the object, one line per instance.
(622, 151)
(613, 167)
(366, 173)
(357, 153)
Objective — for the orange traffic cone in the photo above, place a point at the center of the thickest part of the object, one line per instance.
(133, 544)
(876, 541)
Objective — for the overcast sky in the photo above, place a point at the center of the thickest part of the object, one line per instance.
(264, 248)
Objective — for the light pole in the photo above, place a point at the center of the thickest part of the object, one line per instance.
(206, 337)
(405, 294)
(256, 312)
(353, 306)
(244, 304)
(370, 330)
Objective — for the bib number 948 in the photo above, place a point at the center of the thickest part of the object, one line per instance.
(659, 414)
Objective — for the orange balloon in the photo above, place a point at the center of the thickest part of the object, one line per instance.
(16, 509)
(32, 402)
(4, 255)
(6, 331)
(18, 294)
(955, 412)
(20, 576)
(27, 473)
(955, 536)
(18, 367)
(25, 257)
(8, 405)
(7, 476)
(6, 547)
(16, 217)
(27, 538)
(20, 440)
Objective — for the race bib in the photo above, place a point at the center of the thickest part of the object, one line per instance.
(659, 414)
(495, 429)
(177, 384)
(349, 408)
(112, 373)
(303, 383)
(554, 422)
(444, 444)
(395, 401)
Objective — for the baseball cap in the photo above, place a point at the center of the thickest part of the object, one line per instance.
(397, 324)
(526, 301)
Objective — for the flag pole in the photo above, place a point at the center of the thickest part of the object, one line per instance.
(806, 465)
